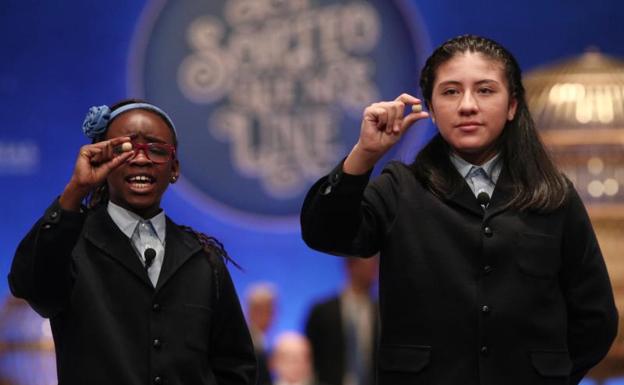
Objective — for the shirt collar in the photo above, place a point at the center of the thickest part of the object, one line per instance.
(127, 221)
(492, 167)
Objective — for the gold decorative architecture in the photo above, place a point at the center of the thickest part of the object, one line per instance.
(578, 106)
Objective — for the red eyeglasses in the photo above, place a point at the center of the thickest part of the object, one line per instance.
(156, 152)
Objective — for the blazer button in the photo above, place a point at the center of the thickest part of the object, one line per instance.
(484, 350)
(488, 231)
(54, 214)
(487, 269)
(156, 307)
(156, 344)
(158, 380)
(485, 309)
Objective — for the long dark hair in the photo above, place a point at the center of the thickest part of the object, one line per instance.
(535, 181)
(99, 196)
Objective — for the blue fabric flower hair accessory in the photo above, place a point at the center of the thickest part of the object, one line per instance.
(96, 121)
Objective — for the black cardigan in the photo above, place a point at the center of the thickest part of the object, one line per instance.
(110, 326)
(466, 296)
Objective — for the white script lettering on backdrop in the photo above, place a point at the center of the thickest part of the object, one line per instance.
(282, 69)
(267, 95)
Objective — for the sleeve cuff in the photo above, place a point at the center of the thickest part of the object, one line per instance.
(340, 182)
(55, 213)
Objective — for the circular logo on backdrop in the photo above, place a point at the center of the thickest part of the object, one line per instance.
(267, 95)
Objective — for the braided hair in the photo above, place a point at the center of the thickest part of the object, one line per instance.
(214, 249)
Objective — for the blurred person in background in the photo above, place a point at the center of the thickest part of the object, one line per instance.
(343, 328)
(261, 304)
(291, 360)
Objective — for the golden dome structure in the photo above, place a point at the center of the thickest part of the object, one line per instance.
(578, 108)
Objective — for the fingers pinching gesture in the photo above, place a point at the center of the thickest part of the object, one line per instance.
(383, 124)
(95, 161)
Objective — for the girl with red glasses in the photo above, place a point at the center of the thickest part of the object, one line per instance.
(132, 297)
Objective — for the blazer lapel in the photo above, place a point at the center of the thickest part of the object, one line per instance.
(466, 199)
(501, 196)
(179, 247)
(103, 233)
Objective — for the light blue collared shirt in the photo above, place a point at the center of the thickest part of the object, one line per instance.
(492, 170)
(127, 221)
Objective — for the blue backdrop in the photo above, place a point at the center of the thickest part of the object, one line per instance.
(59, 58)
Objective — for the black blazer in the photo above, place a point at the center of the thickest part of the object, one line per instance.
(325, 330)
(467, 296)
(111, 326)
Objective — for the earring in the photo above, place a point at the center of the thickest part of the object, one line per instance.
(174, 179)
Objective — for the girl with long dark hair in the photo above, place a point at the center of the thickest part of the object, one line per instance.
(490, 272)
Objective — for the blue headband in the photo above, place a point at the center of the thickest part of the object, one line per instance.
(97, 119)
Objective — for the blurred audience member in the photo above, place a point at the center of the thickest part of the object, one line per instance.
(343, 329)
(261, 298)
(291, 360)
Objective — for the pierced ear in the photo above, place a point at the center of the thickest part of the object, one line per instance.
(175, 171)
(174, 177)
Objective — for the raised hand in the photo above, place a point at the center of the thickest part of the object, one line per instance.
(95, 161)
(383, 124)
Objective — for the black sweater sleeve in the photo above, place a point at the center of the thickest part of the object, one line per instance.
(346, 215)
(41, 272)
